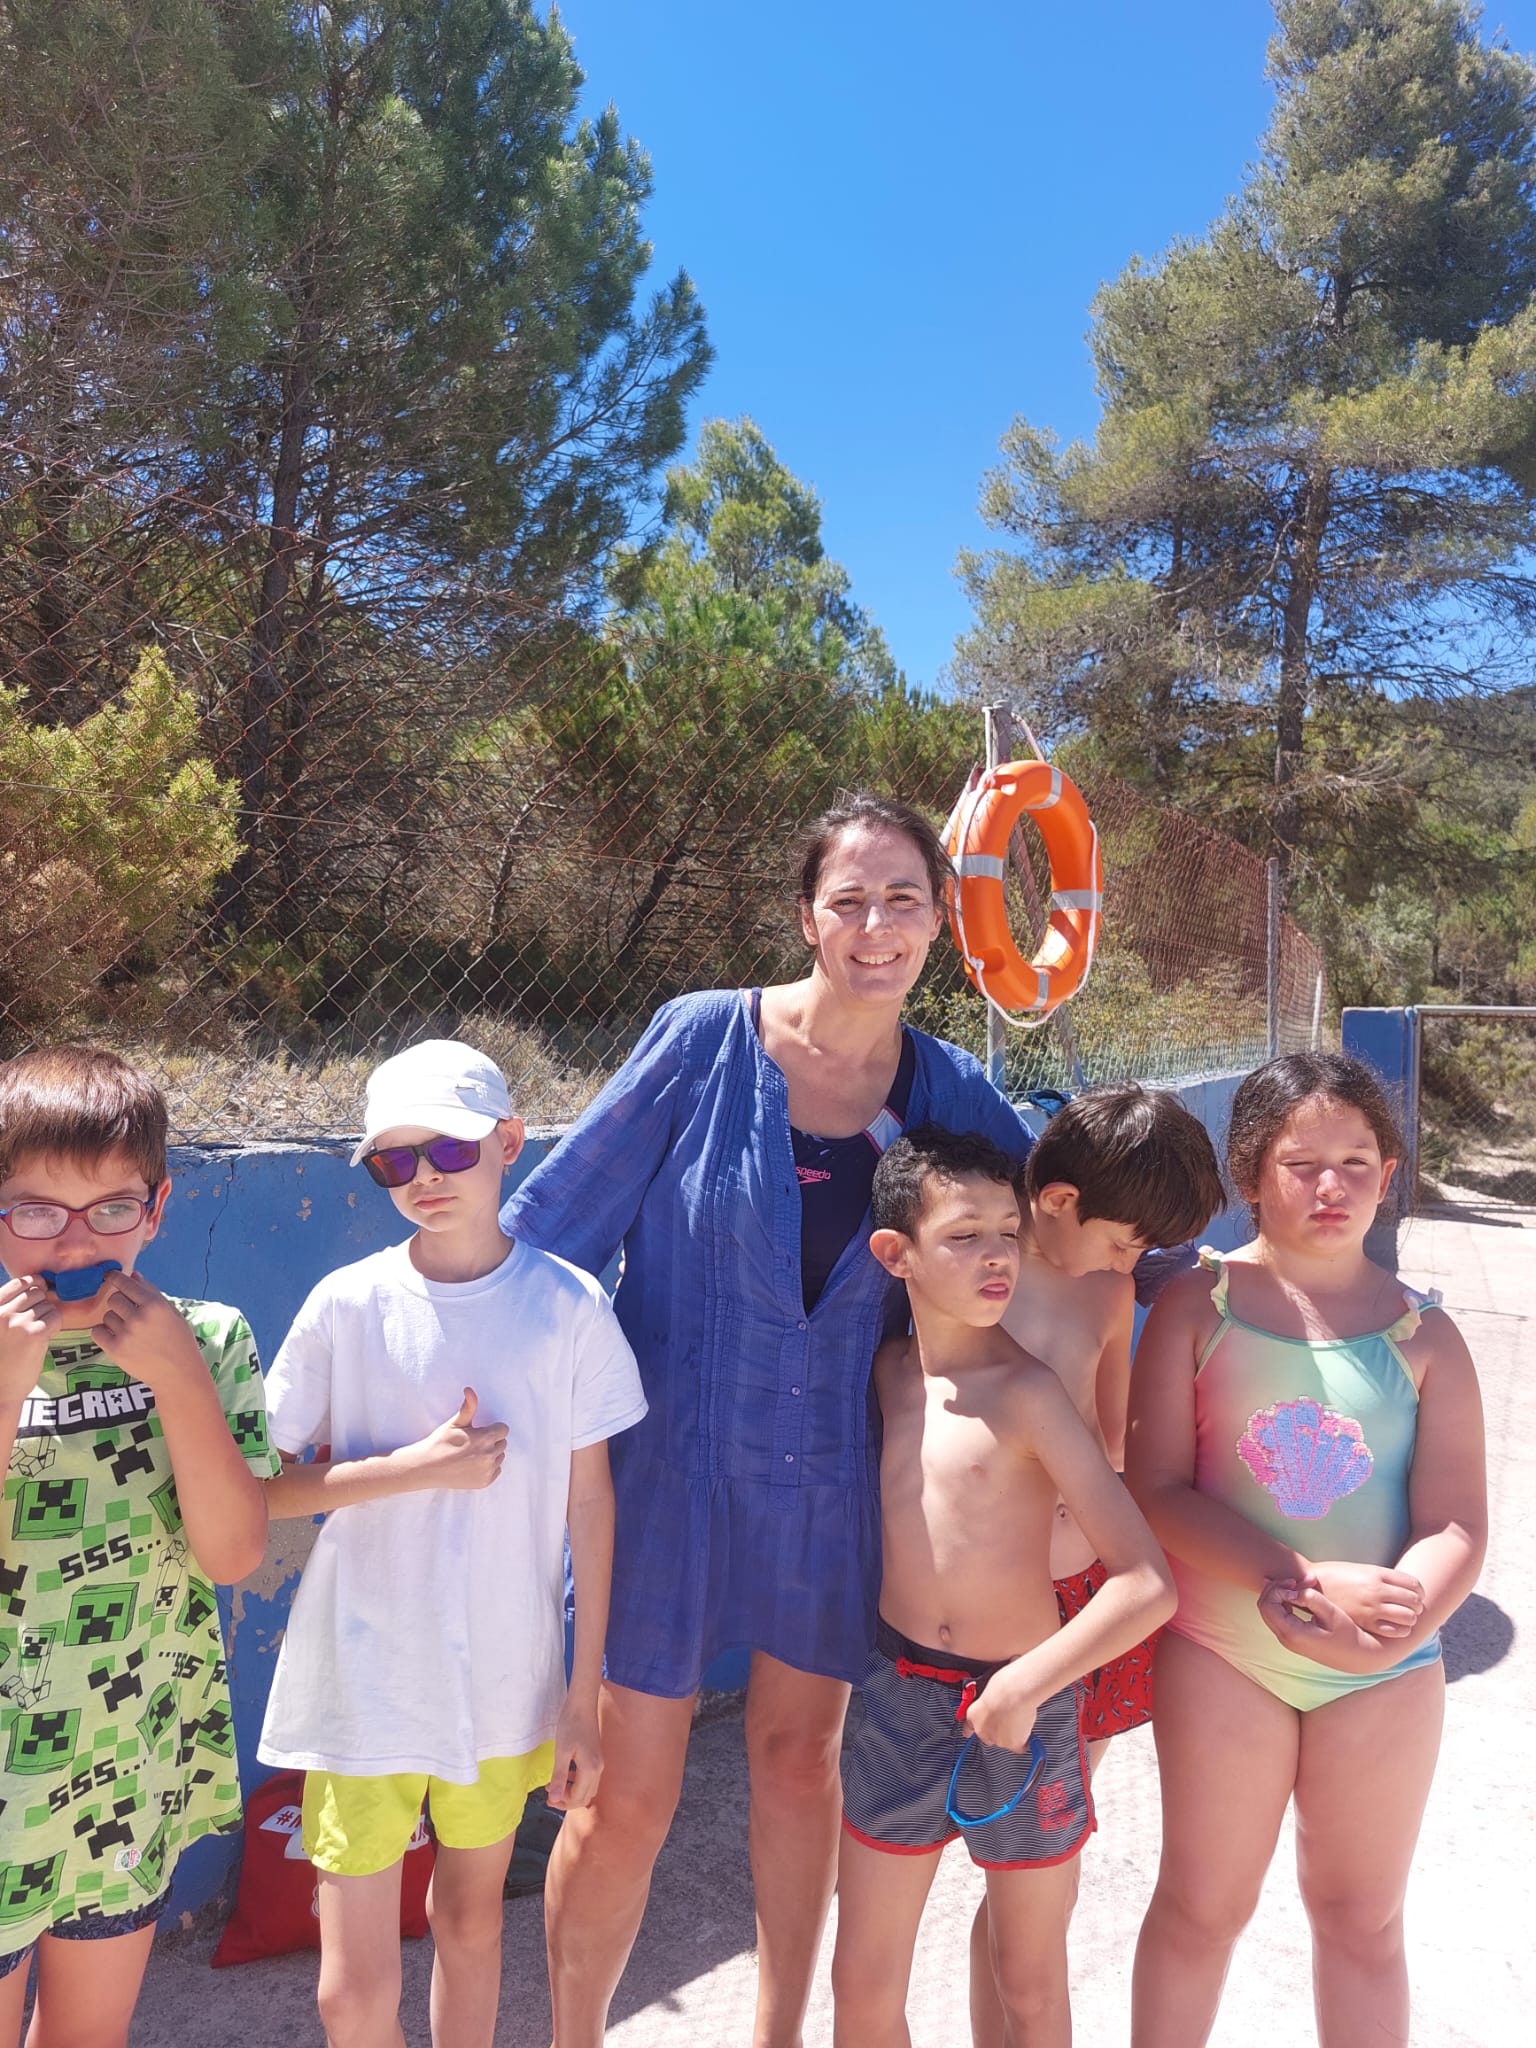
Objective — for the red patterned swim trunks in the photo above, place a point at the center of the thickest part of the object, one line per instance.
(1119, 1694)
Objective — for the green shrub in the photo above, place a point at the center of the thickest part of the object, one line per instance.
(112, 835)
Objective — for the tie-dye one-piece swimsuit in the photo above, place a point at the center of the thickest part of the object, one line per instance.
(1312, 1441)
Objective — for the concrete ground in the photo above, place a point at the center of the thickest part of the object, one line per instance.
(693, 1975)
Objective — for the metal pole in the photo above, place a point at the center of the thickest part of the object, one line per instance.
(1475, 1009)
(998, 737)
(1407, 1176)
(1070, 1050)
(1272, 957)
(1317, 1012)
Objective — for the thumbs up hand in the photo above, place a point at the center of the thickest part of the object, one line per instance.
(459, 1453)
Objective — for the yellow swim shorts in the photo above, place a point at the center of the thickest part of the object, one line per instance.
(356, 1826)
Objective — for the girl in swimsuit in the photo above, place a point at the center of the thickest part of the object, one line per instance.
(1306, 1441)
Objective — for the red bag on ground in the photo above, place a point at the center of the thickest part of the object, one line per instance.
(275, 1910)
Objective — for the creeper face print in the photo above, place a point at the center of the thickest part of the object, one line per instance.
(199, 1607)
(26, 1888)
(42, 1742)
(159, 1716)
(100, 1614)
(116, 1737)
(119, 1685)
(248, 1430)
(107, 1835)
(165, 1504)
(48, 1508)
(13, 1579)
(216, 1731)
(128, 1453)
(149, 1870)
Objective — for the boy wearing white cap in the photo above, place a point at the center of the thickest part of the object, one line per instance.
(425, 1652)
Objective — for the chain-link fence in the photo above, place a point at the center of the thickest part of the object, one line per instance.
(1477, 1105)
(262, 822)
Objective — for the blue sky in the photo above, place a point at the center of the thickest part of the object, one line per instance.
(897, 215)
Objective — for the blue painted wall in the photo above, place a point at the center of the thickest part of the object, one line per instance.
(258, 1227)
(1387, 1040)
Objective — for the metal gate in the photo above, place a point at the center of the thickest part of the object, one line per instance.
(1463, 1078)
(1476, 1122)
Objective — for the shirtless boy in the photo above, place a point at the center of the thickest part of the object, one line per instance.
(1120, 1171)
(980, 1441)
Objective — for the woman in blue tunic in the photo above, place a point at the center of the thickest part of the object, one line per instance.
(731, 1158)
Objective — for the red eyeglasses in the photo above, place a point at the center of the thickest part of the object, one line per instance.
(112, 1217)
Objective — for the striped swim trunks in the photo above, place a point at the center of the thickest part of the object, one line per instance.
(899, 1763)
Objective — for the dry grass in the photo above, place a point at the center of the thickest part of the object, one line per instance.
(233, 1094)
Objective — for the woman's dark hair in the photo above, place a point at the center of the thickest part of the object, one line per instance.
(1270, 1093)
(860, 810)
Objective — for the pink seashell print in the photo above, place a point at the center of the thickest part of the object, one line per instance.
(1306, 1455)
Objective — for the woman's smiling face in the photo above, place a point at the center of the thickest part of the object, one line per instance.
(873, 916)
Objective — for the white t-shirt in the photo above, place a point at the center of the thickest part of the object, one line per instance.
(426, 1632)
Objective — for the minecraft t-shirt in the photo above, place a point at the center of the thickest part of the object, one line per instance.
(116, 1742)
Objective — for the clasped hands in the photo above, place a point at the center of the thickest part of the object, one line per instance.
(1350, 1617)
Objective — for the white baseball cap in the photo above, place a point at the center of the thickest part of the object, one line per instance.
(439, 1085)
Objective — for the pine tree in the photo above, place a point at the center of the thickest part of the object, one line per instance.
(1310, 480)
(740, 564)
(126, 136)
(449, 381)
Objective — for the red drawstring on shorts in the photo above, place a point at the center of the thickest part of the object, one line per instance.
(905, 1668)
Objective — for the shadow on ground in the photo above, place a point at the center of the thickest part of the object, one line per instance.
(1449, 1207)
(1477, 1636)
(701, 1898)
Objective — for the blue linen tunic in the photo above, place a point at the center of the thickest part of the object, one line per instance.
(748, 1510)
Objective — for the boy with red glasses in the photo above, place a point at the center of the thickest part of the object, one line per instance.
(425, 1652)
(133, 1442)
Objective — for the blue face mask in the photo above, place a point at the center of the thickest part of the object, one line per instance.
(79, 1283)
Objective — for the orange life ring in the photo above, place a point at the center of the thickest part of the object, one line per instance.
(977, 842)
